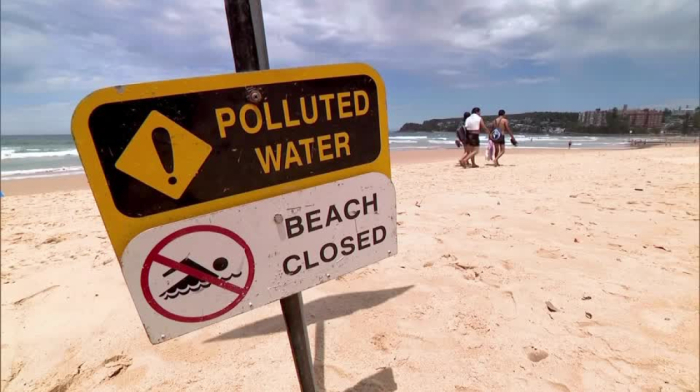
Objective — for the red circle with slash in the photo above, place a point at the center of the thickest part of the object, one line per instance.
(155, 257)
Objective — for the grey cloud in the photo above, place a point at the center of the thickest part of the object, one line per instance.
(38, 119)
(76, 46)
(86, 41)
(109, 40)
(539, 80)
(553, 29)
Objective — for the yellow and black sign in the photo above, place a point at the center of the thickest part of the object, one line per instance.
(150, 155)
(160, 152)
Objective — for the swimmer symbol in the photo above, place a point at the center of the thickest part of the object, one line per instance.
(190, 284)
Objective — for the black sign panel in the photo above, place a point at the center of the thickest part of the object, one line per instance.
(297, 130)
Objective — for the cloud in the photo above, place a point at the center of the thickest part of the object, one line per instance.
(494, 83)
(469, 86)
(77, 44)
(41, 119)
(51, 49)
(446, 31)
(448, 72)
(539, 80)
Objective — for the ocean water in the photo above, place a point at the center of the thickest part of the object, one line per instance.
(56, 155)
(38, 156)
(436, 140)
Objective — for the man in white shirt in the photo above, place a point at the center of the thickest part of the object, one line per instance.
(473, 124)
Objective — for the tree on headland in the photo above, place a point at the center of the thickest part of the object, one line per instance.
(667, 115)
(616, 123)
(534, 122)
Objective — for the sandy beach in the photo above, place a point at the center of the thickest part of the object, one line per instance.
(560, 271)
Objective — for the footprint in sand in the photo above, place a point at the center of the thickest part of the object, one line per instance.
(22, 237)
(504, 303)
(539, 384)
(507, 265)
(53, 240)
(616, 289)
(472, 329)
(548, 253)
(468, 271)
(460, 388)
(81, 377)
(535, 355)
(558, 387)
(383, 342)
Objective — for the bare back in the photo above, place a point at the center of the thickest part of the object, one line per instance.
(502, 124)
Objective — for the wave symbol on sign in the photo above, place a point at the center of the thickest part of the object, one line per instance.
(190, 284)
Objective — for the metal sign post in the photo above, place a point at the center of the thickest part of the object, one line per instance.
(247, 32)
(179, 224)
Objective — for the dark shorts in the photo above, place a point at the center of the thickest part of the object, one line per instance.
(500, 140)
(473, 139)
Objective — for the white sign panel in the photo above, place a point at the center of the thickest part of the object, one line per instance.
(189, 274)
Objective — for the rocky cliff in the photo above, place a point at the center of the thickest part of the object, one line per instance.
(521, 122)
(435, 125)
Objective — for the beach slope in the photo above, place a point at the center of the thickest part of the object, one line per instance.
(560, 271)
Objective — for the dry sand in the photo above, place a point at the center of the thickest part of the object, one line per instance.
(461, 308)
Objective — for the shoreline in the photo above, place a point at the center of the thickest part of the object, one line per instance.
(78, 181)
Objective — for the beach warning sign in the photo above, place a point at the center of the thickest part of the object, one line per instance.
(157, 153)
(163, 155)
(192, 273)
(185, 283)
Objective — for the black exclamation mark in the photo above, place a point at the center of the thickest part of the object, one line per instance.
(164, 148)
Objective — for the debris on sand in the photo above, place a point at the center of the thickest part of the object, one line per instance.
(551, 307)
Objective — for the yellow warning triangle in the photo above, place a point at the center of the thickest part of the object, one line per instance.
(141, 160)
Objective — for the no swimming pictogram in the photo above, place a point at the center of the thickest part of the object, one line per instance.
(197, 273)
(189, 274)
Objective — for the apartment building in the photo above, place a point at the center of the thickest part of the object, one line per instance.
(644, 118)
(596, 118)
(639, 118)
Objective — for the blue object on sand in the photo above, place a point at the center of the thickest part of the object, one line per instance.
(2, 194)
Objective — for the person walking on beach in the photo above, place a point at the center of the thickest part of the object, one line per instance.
(461, 140)
(473, 124)
(500, 125)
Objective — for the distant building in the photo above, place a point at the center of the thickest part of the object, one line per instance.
(643, 118)
(682, 112)
(595, 118)
(639, 118)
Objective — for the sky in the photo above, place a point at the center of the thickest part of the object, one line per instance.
(438, 58)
